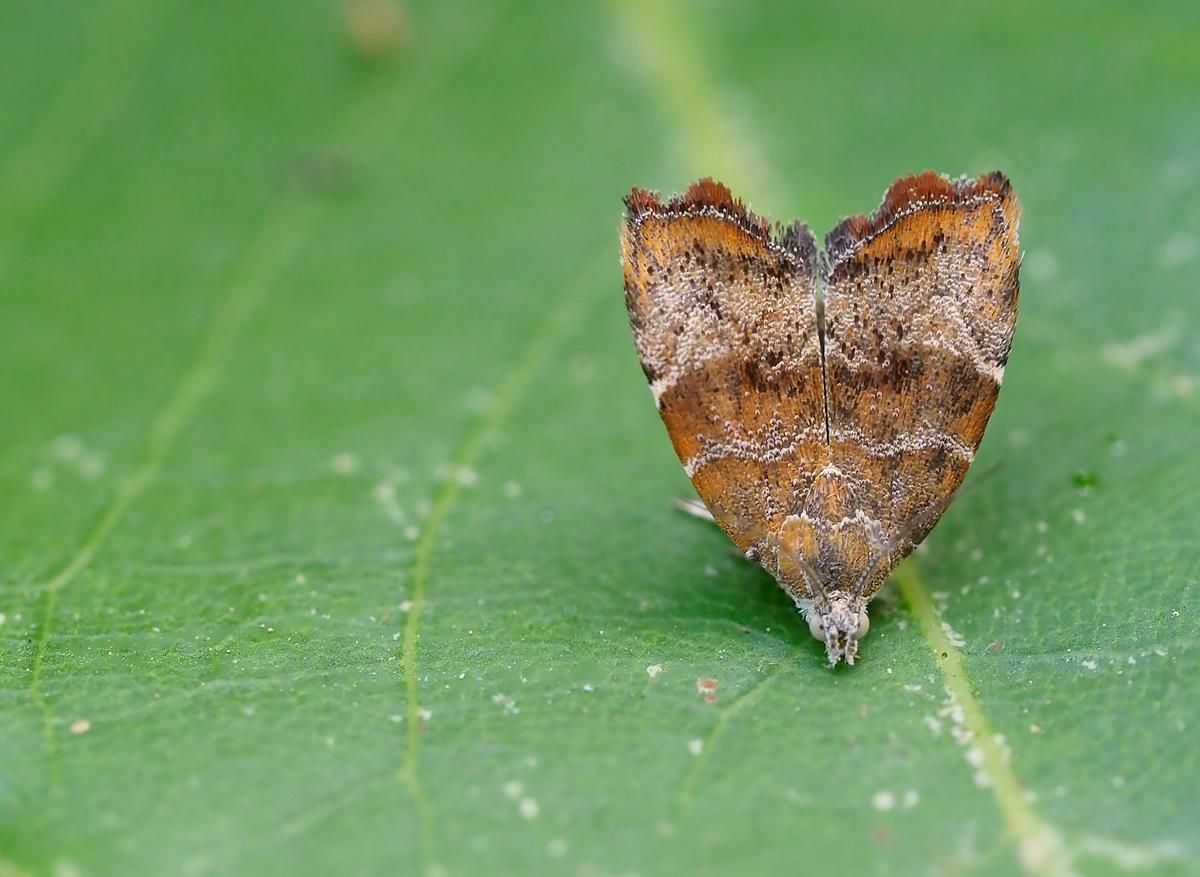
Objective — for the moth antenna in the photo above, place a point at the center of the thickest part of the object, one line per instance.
(721, 519)
(936, 510)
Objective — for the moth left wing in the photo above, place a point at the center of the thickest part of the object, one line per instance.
(724, 315)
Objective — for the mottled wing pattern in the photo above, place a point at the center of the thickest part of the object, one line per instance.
(920, 308)
(724, 317)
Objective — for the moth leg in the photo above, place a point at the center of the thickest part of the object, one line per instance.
(695, 508)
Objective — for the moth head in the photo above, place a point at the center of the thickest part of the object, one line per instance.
(839, 621)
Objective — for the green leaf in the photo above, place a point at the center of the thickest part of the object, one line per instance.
(335, 518)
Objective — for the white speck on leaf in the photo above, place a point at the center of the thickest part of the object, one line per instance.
(66, 868)
(479, 400)
(1176, 250)
(67, 447)
(1042, 265)
(1045, 853)
(954, 637)
(91, 466)
(1133, 857)
(1134, 352)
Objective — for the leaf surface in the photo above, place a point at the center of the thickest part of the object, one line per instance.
(336, 530)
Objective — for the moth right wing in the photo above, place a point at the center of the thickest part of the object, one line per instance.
(724, 316)
(920, 307)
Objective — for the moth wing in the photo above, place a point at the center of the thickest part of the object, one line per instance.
(724, 317)
(920, 308)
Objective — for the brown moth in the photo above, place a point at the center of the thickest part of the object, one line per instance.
(826, 405)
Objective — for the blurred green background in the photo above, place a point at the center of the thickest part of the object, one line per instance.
(335, 526)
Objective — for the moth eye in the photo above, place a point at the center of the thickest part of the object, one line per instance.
(816, 627)
(864, 624)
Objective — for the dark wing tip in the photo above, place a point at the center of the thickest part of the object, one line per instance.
(709, 196)
(709, 193)
(932, 188)
(701, 196)
(799, 240)
(640, 201)
(911, 193)
(705, 193)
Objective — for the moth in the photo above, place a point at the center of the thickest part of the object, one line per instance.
(826, 405)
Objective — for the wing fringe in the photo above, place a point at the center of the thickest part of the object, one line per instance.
(913, 193)
(707, 196)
